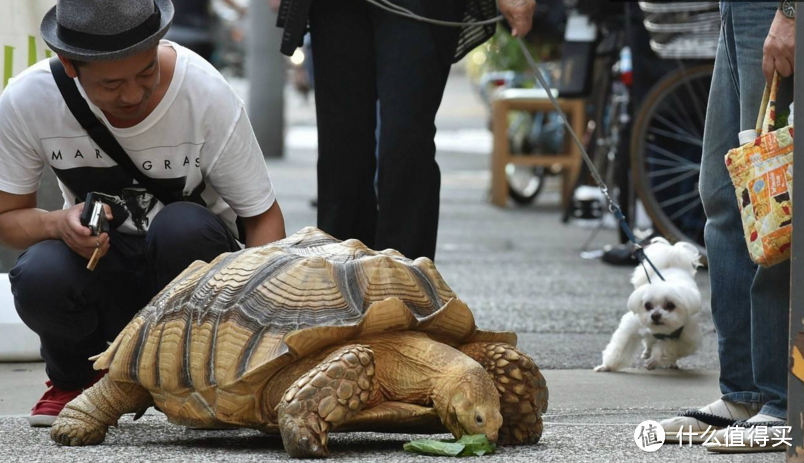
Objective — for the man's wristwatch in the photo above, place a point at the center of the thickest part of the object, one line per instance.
(788, 8)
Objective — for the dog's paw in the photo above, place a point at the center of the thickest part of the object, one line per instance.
(651, 364)
(602, 368)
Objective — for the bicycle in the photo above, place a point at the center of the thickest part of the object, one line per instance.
(666, 134)
(667, 138)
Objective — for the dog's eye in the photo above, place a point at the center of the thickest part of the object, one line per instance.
(648, 306)
(670, 306)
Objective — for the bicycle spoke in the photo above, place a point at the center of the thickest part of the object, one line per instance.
(673, 126)
(675, 136)
(686, 209)
(694, 97)
(687, 118)
(674, 170)
(662, 162)
(660, 150)
(678, 199)
(675, 180)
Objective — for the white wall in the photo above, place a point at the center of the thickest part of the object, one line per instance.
(20, 46)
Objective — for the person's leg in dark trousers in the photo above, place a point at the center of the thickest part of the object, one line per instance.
(412, 72)
(69, 307)
(181, 234)
(346, 104)
(76, 312)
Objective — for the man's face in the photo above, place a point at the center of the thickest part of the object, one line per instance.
(121, 88)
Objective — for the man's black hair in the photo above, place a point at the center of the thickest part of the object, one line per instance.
(78, 65)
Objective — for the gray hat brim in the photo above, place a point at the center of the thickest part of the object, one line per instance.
(49, 33)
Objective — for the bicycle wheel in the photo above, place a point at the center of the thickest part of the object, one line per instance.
(666, 149)
(524, 182)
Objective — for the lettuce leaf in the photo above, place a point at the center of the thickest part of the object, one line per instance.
(476, 445)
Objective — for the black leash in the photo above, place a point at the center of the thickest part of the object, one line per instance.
(613, 207)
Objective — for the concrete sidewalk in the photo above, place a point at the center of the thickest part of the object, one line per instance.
(591, 417)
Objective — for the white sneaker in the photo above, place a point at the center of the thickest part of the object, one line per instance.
(696, 425)
(760, 433)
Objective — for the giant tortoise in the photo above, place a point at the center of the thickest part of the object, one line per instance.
(310, 335)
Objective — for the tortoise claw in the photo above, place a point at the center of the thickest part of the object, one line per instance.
(323, 398)
(71, 432)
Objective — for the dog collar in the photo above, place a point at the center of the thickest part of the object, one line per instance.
(674, 335)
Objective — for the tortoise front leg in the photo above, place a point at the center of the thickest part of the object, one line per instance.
(523, 390)
(326, 396)
(86, 418)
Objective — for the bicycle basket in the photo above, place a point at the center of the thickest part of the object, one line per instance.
(687, 30)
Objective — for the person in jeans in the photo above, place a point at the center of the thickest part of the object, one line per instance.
(181, 125)
(750, 304)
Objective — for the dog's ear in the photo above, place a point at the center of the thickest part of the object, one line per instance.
(635, 299)
(691, 298)
(690, 253)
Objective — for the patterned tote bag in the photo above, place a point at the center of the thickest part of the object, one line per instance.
(762, 174)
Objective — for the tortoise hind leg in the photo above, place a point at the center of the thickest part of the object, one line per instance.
(86, 418)
(323, 398)
(523, 390)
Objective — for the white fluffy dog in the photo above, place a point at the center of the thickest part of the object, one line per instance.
(662, 314)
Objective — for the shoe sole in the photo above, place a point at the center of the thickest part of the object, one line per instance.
(696, 439)
(744, 449)
(41, 421)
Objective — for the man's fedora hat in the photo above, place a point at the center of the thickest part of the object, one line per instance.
(105, 30)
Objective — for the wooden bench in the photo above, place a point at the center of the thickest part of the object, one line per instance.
(533, 100)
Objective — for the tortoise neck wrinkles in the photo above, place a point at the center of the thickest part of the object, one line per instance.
(431, 368)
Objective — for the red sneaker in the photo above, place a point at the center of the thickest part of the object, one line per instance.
(45, 411)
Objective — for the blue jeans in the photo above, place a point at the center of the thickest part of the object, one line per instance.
(750, 304)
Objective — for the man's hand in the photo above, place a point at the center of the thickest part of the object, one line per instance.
(519, 14)
(78, 237)
(274, 4)
(780, 48)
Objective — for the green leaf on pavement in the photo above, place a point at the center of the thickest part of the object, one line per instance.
(476, 445)
(434, 447)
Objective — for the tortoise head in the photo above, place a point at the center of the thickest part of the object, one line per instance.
(474, 407)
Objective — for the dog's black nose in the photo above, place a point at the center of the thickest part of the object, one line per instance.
(656, 316)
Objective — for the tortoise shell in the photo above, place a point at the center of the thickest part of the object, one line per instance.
(218, 332)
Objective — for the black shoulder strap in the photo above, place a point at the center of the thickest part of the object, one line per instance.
(98, 132)
(292, 17)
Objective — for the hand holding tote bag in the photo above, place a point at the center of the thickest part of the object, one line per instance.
(762, 174)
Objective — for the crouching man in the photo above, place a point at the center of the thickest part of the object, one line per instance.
(207, 189)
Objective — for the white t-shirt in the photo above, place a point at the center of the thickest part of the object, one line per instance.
(197, 143)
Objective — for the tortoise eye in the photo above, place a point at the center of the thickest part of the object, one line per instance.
(670, 306)
(648, 306)
(479, 419)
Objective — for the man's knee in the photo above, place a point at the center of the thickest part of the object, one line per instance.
(184, 232)
(185, 224)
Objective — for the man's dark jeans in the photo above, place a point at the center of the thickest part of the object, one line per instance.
(76, 312)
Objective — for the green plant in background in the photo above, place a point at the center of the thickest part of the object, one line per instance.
(502, 53)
